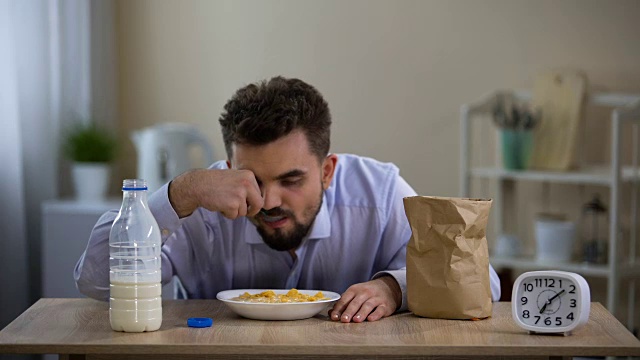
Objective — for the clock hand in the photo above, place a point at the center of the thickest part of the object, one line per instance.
(555, 296)
(544, 307)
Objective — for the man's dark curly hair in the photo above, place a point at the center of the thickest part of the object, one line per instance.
(258, 114)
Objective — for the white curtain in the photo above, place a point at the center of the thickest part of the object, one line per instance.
(13, 246)
(57, 66)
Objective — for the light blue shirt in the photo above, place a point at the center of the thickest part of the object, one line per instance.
(360, 233)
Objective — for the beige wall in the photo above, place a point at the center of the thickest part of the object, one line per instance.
(394, 72)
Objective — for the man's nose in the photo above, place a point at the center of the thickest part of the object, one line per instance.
(272, 198)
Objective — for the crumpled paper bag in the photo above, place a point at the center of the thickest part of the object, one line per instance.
(448, 257)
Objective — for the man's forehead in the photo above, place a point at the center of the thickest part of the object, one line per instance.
(287, 153)
(270, 165)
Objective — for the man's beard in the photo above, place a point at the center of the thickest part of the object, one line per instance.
(282, 241)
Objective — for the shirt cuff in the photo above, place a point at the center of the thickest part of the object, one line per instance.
(165, 215)
(401, 279)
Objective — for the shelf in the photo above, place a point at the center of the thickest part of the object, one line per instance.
(531, 263)
(589, 176)
(625, 269)
(625, 110)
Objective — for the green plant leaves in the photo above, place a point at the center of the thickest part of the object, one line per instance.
(89, 143)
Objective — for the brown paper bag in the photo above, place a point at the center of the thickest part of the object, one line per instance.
(448, 257)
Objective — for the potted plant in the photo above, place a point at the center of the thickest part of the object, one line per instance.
(91, 149)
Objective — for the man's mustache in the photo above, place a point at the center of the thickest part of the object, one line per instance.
(275, 212)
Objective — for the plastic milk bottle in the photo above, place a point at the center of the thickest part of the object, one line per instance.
(135, 302)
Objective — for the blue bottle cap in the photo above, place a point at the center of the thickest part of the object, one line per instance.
(199, 322)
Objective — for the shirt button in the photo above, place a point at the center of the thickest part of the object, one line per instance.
(165, 232)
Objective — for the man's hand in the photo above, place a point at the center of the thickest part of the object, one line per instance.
(371, 300)
(233, 193)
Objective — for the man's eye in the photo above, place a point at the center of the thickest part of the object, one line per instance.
(295, 182)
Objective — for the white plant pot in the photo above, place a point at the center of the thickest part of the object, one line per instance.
(90, 180)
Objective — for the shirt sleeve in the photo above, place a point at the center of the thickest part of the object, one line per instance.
(495, 284)
(397, 231)
(92, 270)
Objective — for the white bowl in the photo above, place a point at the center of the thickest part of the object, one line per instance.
(280, 311)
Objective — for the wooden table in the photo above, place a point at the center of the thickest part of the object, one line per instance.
(79, 329)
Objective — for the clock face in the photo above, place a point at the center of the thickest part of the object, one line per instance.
(547, 302)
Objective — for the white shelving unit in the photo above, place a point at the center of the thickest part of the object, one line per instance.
(625, 109)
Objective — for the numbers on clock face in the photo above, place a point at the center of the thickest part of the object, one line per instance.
(547, 301)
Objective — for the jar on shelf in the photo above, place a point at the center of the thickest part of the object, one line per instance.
(595, 230)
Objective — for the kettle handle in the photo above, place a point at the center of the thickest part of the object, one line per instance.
(206, 146)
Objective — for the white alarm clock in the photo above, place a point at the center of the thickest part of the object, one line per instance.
(550, 301)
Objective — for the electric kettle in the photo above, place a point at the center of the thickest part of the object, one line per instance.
(164, 152)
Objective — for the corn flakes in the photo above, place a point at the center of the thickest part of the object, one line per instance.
(269, 296)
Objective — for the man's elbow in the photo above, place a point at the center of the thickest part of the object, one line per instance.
(90, 290)
(494, 280)
(495, 292)
(86, 287)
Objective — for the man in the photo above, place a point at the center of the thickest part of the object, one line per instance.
(281, 212)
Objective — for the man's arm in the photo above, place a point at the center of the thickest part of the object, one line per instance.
(92, 270)
(233, 193)
(386, 292)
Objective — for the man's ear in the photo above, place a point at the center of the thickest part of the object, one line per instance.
(328, 169)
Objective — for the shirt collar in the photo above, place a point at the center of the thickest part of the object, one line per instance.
(321, 227)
